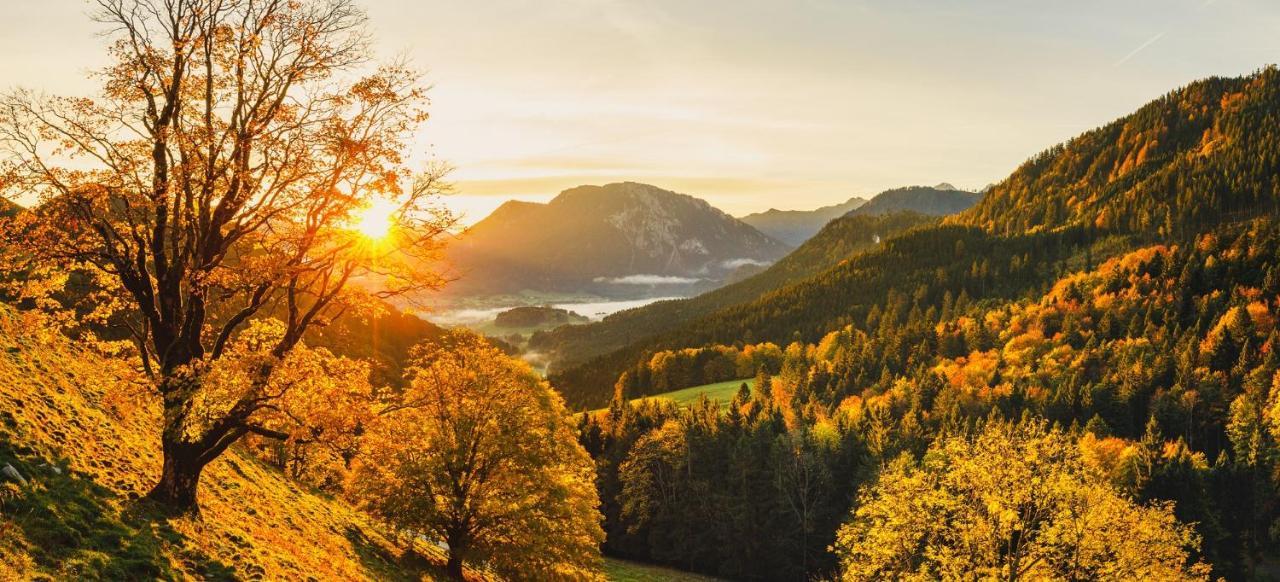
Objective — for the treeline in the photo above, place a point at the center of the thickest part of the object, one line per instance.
(920, 268)
(737, 492)
(1167, 355)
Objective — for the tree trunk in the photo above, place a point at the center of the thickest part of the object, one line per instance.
(454, 568)
(179, 478)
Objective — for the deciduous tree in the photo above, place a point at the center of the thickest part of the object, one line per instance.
(1014, 501)
(480, 453)
(218, 175)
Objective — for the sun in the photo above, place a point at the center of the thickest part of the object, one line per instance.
(375, 220)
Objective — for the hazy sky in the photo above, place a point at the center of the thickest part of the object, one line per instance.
(751, 104)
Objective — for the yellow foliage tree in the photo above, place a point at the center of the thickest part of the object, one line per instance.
(1014, 501)
(480, 453)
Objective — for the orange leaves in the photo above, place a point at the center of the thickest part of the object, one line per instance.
(481, 453)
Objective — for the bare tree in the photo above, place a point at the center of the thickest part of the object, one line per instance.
(216, 177)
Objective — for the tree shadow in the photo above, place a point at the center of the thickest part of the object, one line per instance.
(382, 565)
(74, 527)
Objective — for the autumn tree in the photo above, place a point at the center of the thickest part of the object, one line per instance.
(219, 175)
(480, 453)
(1011, 502)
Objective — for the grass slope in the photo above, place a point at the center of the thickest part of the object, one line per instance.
(625, 571)
(79, 429)
(721, 392)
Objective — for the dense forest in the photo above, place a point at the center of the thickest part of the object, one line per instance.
(1144, 347)
(1161, 363)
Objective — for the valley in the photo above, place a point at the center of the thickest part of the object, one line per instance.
(246, 332)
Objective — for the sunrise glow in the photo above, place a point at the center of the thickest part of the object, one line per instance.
(375, 220)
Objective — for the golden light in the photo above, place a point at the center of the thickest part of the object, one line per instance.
(375, 220)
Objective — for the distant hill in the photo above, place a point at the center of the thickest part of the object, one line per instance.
(1202, 155)
(536, 316)
(941, 200)
(617, 240)
(796, 226)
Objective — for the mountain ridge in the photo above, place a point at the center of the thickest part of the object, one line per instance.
(636, 230)
(796, 226)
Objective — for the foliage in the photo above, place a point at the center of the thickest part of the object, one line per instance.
(479, 453)
(1149, 355)
(1011, 502)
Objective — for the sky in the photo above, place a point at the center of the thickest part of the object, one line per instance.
(750, 104)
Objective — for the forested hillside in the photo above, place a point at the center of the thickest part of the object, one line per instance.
(1203, 153)
(839, 240)
(1241, 166)
(941, 200)
(1162, 362)
(1139, 355)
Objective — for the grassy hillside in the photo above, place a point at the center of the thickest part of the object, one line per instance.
(77, 428)
(721, 392)
(625, 571)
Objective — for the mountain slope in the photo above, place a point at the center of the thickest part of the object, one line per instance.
(839, 240)
(1212, 154)
(940, 200)
(796, 226)
(614, 240)
(1202, 153)
(66, 407)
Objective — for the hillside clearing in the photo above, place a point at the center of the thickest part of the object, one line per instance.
(627, 571)
(721, 392)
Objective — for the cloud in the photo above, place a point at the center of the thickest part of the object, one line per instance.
(647, 280)
(735, 263)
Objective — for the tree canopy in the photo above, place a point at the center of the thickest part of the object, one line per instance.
(480, 453)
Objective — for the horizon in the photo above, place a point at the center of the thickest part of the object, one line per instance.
(753, 107)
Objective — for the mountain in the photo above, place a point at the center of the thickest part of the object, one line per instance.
(617, 240)
(1199, 156)
(940, 200)
(891, 212)
(796, 226)
(839, 240)
(1206, 152)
